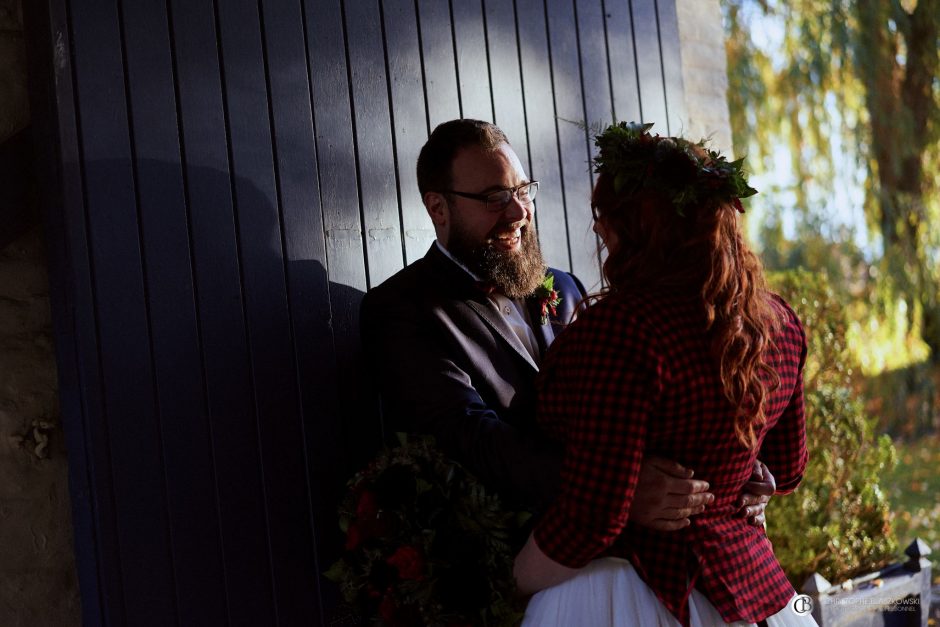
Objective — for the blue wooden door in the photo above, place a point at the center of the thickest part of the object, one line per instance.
(223, 181)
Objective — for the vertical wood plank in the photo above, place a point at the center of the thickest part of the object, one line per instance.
(326, 51)
(381, 221)
(572, 139)
(374, 154)
(191, 497)
(55, 120)
(649, 64)
(626, 94)
(269, 334)
(595, 81)
(595, 70)
(473, 70)
(128, 414)
(670, 46)
(506, 75)
(208, 185)
(437, 54)
(306, 268)
(543, 144)
(409, 116)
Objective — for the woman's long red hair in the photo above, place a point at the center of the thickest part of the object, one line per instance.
(701, 253)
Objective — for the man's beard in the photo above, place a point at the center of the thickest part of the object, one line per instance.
(515, 273)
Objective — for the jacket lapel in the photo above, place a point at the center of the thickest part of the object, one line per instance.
(455, 281)
(491, 316)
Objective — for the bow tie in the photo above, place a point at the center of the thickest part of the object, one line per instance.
(486, 287)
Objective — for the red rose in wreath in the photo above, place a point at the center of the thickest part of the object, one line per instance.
(408, 561)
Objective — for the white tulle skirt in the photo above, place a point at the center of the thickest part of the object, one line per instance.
(610, 593)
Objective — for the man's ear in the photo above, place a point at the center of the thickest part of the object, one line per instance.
(437, 208)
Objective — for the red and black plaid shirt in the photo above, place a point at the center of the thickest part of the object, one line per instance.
(634, 376)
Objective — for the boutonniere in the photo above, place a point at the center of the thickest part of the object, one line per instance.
(548, 298)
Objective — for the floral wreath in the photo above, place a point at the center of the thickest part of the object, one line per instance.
(426, 543)
(686, 173)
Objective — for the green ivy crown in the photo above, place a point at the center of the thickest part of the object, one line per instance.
(686, 173)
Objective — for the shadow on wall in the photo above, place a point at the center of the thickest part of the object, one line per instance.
(240, 365)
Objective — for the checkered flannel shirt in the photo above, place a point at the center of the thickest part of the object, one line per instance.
(632, 376)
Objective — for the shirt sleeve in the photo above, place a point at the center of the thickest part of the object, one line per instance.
(602, 378)
(784, 447)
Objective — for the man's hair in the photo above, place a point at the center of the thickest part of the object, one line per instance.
(437, 154)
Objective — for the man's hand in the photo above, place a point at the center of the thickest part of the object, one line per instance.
(666, 495)
(757, 493)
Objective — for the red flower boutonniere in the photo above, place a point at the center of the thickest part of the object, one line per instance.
(548, 298)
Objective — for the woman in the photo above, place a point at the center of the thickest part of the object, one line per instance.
(687, 355)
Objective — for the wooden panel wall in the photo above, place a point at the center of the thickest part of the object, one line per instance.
(225, 179)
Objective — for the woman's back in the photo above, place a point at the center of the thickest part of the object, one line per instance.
(684, 355)
(634, 376)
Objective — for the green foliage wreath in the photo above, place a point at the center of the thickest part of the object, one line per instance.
(426, 544)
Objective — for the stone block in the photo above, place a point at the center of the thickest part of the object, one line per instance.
(11, 16)
(704, 71)
(705, 55)
(38, 584)
(700, 20)
(36, 535)
(39, 598)
(699, 83)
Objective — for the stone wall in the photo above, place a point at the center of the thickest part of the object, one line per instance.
(704, 72)
(38, 585)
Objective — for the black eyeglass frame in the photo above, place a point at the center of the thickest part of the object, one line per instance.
(513, 193)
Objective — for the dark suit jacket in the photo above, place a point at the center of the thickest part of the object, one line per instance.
(447, 364)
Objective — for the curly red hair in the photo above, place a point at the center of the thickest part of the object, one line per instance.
(702, 252)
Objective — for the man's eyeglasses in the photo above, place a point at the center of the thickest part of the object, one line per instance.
(499, 200)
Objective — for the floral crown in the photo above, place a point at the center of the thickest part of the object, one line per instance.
(686, 173)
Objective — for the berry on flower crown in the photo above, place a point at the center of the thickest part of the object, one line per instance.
(686, 173)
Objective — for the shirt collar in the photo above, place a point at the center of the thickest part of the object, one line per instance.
(447, 254)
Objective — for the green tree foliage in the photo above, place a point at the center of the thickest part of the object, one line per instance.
(857, 77)
(838, 522)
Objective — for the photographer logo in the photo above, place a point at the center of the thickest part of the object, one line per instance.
(802, 605)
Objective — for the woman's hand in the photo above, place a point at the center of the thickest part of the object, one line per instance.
(535, 571)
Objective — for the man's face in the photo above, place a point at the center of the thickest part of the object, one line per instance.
(499, 246)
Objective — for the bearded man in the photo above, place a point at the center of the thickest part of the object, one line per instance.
(454, 340)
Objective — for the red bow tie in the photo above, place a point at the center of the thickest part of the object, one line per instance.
(486, 287)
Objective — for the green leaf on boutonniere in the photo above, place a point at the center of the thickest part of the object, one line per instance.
(548, 298)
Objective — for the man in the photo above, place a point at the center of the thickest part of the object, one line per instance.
(454, 340)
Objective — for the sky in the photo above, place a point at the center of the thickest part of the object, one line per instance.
(842, 206)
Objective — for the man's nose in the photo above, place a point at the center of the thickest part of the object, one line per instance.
(516, 210)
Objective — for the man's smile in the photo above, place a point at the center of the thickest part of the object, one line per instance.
(507, 240)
